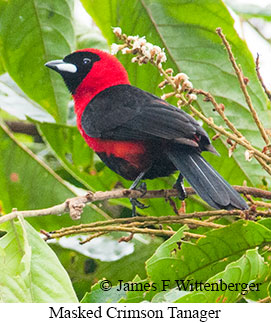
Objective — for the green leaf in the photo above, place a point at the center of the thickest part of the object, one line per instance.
(71, 149)
(250, 269)
(165, 259)
(266, 222)
(167, 249)
(186, 29)
(262, 292)
(29, 269)
(208, 256)
(33, 32)
(27, 183)
(137, 295)
(248, 11)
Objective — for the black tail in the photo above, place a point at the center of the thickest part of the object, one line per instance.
(205, 180)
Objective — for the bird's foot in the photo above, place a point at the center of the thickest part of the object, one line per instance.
(135, 203)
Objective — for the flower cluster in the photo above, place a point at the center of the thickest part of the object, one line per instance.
(138, 46)
(146, 52)
(181, 84)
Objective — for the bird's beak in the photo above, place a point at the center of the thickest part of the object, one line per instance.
(60, 66)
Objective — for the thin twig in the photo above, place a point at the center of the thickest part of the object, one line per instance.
(159, 232)
(243, 86)
(257, 63)
(106, 229)
(220, 110)
(141, 222)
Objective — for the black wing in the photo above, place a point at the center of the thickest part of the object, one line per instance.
(124, 112)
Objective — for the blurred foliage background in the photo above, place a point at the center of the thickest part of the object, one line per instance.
(44, 160)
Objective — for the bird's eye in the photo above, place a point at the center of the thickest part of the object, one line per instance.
(86, 61)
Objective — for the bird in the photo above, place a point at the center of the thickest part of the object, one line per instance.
(137, 134)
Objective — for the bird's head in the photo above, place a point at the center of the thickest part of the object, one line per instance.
(87, 72)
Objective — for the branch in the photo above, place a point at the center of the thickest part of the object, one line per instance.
(98, 231)
(74, 206)
(139, 224)
(132, 224)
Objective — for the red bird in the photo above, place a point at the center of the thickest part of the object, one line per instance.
(136, 134)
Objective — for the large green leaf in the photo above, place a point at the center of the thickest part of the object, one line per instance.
(250, 269)
(208, 256)
(31, 33)
(166, 253)
(186, 29)
(29, 269)
(27, 183)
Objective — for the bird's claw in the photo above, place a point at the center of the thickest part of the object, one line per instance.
(138, 204)
(142, 188)
(135, 203)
